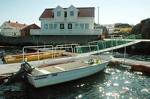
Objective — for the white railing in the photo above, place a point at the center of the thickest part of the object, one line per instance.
(42, 46)
(51, 48)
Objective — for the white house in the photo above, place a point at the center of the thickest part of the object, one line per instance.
(12, 29)
(110, 28)
(67, 21)
(15, 29)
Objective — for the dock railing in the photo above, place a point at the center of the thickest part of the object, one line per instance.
(51, 48)
(38, 47)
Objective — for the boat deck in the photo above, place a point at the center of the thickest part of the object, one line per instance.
(66, 66)
(59, 67)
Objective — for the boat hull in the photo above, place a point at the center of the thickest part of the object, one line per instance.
(60, 77)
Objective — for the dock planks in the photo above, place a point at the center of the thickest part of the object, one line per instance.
(136, 65)
(131, 61)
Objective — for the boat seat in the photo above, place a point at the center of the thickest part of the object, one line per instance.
(44, 71)
(60, 68)
(39, 72)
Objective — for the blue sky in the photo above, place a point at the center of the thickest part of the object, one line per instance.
(111, 11)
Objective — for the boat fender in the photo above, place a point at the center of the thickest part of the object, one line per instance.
(91, 61)
(98, 61)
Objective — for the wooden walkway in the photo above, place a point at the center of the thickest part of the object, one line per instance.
(140, 40)
(136, 65)
(131, 62)
(9, 68)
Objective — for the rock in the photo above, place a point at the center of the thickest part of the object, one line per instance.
(142, 28)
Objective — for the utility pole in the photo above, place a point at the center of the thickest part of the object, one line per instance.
(98, 15)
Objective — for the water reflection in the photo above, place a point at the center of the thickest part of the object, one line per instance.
(74, 89)
(112, 83)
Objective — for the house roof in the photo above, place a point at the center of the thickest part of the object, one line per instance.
(47, 13)
(83, 12)
(31, 26)
(16, 24)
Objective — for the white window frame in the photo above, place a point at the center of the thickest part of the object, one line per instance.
(71, 13)
(81, 25)
(50, 26)
(58, 13)
(69, 26)
(45, 26)
(86, 26)
(55, 26)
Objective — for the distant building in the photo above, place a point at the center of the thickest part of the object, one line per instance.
(67, 22)
(26, 30)
(15, 29)
(110, 28)
(9, 28)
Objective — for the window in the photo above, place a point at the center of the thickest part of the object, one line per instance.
(14, 34)
(55, 26)
(65, 14)
(46, 26)
(76, 25)
(58, 13)
(86, 26)
(50, 26)
(61, 26)
(82, 26)
(69, 26)
(71, 13)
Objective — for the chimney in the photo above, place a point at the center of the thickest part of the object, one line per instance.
(16, 22)
(9, 21)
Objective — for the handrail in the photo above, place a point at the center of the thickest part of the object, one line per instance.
(35, 47)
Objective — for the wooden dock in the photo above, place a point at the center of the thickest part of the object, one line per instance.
(14, 67)
(136, 65)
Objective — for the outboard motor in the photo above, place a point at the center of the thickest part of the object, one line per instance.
(2, 53)
(25, 68)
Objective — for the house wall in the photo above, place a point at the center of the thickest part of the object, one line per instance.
(74, 22)
(80, 25)
(7, 30)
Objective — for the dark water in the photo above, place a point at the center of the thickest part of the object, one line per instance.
(134, 57)
(112, 83)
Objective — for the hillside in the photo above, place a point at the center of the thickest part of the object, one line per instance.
(142, 28)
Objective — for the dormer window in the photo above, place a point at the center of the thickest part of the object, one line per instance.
(58, 13)
(65, 14)
(71, 13)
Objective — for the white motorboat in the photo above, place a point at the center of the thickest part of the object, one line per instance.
(59, 72)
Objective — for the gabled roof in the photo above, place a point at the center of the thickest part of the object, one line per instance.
(83, 12)
(16, 24)
(31, 26)
(47, 13)
(86, 12)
